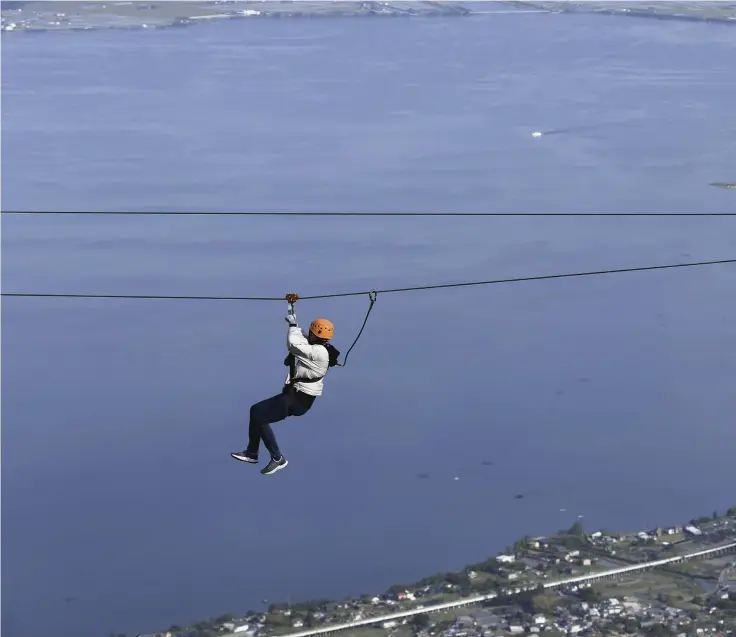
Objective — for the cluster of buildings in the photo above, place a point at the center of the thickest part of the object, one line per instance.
(628, 615)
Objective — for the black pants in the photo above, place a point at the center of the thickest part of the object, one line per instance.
(288, 403)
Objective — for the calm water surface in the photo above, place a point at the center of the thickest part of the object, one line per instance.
(610, 397)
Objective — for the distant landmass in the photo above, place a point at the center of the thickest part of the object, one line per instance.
(51, 15)
(716, 11)
(72, 15)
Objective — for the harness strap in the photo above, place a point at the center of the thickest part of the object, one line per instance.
(290, 360)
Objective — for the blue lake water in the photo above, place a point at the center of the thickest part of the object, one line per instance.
(611, 397)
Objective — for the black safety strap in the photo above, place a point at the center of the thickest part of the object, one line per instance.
(373, 296)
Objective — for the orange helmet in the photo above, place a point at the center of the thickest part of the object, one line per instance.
(322, 328)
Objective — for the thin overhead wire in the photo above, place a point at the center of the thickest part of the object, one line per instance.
(370, 292)
(172, 213)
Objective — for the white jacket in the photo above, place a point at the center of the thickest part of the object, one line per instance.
(311, 361)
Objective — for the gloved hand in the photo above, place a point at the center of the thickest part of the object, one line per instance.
(291, 317)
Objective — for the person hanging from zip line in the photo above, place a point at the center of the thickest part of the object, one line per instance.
(309, 358)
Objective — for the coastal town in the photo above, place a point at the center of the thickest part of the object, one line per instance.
(48, 15)
(524, 590)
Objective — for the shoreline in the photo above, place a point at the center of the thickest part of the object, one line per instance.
(54, 15)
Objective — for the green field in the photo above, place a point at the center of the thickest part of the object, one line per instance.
(649, 585)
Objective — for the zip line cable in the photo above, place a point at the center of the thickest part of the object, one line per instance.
(371, 293)
(368, 214)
